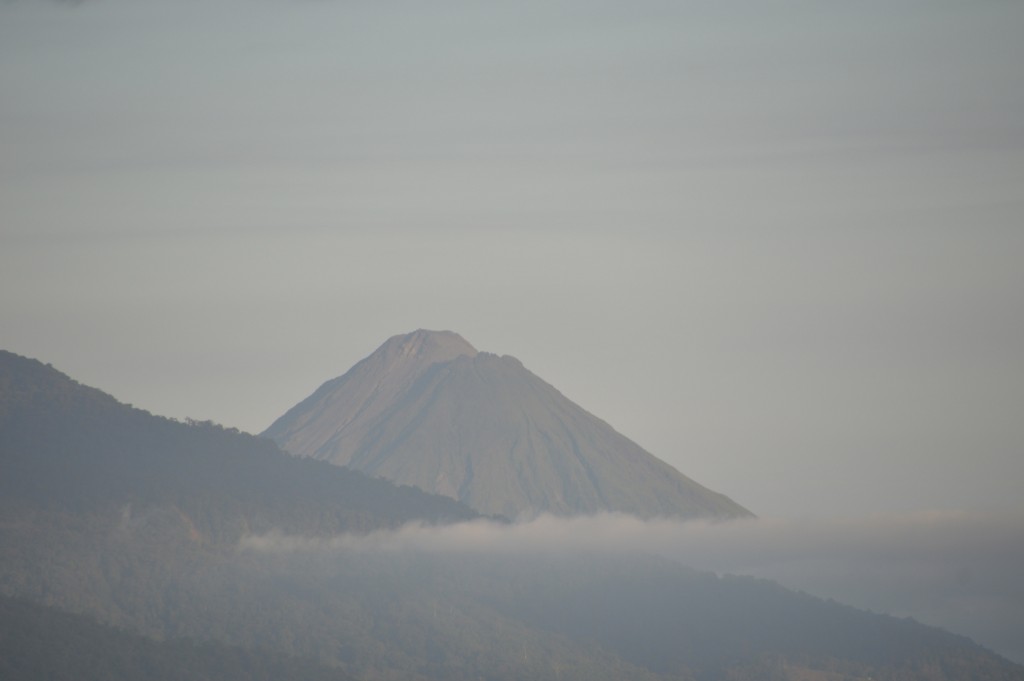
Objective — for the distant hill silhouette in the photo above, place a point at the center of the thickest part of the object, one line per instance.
(65, 445)
(427, 409)
(148, 524)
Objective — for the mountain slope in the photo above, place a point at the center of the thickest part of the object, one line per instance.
(37, 642)
(135, 521)
(426, 409)
(68, 446)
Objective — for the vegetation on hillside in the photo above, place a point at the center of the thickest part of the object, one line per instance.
(135, 520)
(38, 642)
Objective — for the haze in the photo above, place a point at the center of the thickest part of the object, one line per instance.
(958, 570)
(777, 244)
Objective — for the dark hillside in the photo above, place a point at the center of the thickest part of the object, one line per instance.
(39, 643)
(68, 446)
(190, 530)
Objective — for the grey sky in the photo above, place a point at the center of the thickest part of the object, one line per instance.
(778, 244)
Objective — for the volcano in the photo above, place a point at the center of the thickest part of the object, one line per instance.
(427, 409)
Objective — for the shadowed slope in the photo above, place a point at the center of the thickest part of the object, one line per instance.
(66, 445)
(139, 522)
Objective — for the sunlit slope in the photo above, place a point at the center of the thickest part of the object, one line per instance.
(426, 409)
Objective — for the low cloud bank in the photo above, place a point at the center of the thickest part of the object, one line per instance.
(961, 571)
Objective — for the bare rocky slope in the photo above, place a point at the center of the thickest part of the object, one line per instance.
(426, 409)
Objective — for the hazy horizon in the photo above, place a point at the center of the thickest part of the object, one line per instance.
(959, 571)
(777, 245)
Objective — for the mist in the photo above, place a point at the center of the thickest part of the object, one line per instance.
(778, 247)
(956, 570)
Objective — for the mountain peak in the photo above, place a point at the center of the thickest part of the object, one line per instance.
(426, 345)
(426, 409)
(365, 391)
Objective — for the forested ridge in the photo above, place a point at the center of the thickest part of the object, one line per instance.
(68, 446)
(135, 521)
(37, 642)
